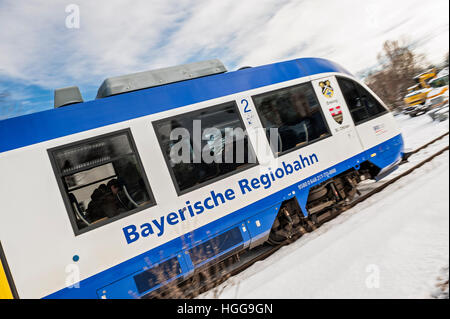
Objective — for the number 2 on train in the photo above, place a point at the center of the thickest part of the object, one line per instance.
(245, 103)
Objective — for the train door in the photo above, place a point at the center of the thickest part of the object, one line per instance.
(347, 142)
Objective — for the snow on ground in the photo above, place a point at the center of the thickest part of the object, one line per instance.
(393, 245)
(419, 130)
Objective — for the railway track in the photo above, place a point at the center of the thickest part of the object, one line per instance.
(212, 276)
(408, 154)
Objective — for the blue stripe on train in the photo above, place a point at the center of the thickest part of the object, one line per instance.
(119, 282)
(47, 125)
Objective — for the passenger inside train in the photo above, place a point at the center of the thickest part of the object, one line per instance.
(102, 179)
(108, 201)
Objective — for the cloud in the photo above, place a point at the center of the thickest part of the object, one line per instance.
(119, 37)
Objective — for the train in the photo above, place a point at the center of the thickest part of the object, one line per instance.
(172, 170)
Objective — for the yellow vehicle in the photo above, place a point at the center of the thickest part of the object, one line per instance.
(438, 95)
(417, 94)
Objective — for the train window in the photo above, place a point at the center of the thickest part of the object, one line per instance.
(202, 146)
(101, 179)
(296, 116)
(362, 105)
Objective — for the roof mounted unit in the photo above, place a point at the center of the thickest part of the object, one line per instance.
(148, 79)
(67, 96)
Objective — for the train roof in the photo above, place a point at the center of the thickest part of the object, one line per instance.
(42, 126)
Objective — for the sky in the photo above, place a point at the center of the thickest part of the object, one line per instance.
(44, 46)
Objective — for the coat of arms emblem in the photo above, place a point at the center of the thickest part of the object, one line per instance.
(327, 90)
(336, 113)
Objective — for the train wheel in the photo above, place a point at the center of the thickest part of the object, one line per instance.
(284, 227)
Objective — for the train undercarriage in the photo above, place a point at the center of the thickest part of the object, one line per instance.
(324, 203)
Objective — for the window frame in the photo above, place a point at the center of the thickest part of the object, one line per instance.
(307, 83)
(59, 179)
(215, 179)
(372, 95)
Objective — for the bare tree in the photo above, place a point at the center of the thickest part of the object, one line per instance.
(399, 66)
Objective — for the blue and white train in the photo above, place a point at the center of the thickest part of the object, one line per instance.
(94, 207)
